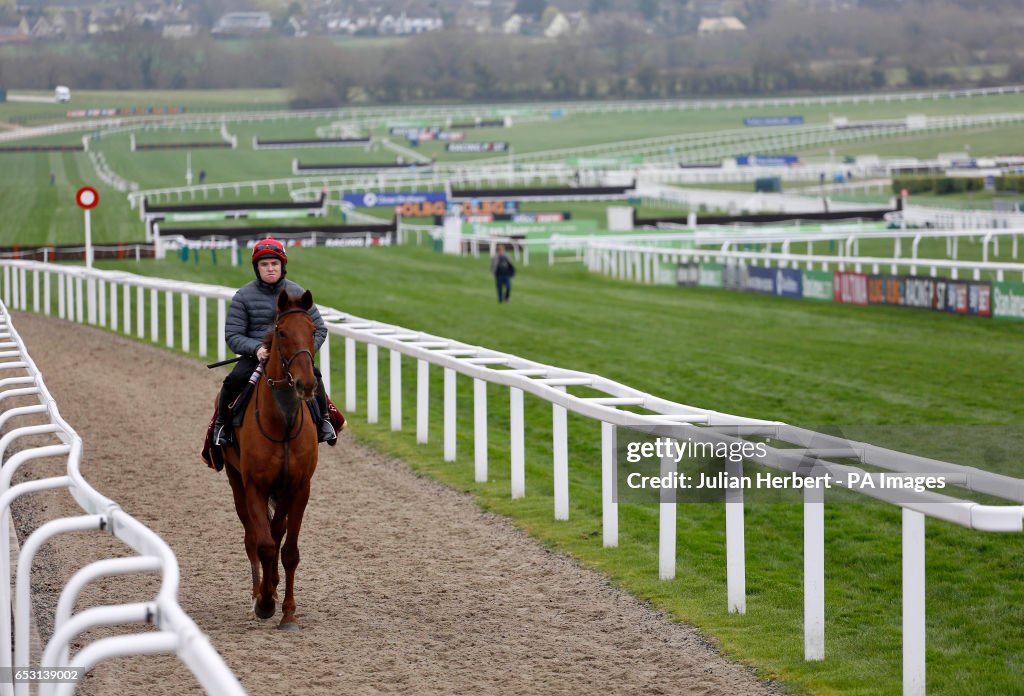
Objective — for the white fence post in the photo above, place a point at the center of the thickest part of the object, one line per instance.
(90, 285)
(480, 430)
(422, 401)
(350, 374)
(203, 329)
(101, 295)
(735, 551)
(325, 363)
(371, 382)
(61, 297)
(169, 318)
(449, 415)
(113, 306)
(517, 443)
(140, 304)
(609, 508)
(186, 321)
(126, 298)
(560, 446)
(814, 573)
(222, 344)
(14, 288)
(667, 521)
(79, 301)
(154, 316)
(395, 387)
(913, 603)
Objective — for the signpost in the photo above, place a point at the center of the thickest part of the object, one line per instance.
(87, 198)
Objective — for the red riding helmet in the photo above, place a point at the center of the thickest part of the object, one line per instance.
(269, 247)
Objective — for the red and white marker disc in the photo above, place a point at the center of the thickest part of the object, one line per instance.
(87, 198)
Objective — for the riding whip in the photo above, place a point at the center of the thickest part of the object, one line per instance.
(225, 362)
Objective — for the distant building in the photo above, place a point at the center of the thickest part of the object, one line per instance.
(513, 25)
(178, 31)
(558, 26)
(15, 33)
(474, 16)
(45, 29)
(719, 25)
(402, 24)
(243, 24)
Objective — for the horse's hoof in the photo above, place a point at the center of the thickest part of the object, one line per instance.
(262, 613)
(290, 626)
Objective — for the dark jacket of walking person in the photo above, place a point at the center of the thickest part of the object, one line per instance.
(503, 270)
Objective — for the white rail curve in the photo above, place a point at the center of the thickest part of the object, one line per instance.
(94, 297)
(174, 632)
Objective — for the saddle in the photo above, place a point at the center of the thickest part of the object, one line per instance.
(212, 455)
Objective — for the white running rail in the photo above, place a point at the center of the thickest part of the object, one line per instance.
(174, 632)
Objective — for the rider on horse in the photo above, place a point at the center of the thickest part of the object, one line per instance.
(251, 316)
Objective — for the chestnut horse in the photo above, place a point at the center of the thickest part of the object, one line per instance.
(276, 456)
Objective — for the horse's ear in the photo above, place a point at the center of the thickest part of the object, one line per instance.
(282, 301)
(307, 300)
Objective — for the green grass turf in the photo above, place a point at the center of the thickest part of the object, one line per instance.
(922, 379)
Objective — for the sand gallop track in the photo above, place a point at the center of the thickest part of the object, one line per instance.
(404, 585)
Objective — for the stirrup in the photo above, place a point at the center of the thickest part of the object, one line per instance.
(221, 434)
(327, 433)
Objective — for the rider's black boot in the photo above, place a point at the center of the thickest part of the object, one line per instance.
(326, 433)
(222, 425)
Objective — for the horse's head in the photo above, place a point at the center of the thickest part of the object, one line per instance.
(292, 345)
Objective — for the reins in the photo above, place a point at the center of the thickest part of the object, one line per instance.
(288, 382)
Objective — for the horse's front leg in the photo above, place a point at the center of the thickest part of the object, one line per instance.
(242, 510)
(265, 603)
(290, 555)
(277, 529)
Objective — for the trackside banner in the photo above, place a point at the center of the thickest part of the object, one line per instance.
(1008, 301)
(850, 288)
(773, 121)
(939, 294)
(710, 275)
(390, 199)
(817, 285)
(687, 274)
(966, 297)
(789, 283)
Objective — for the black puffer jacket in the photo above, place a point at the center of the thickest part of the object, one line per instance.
(252, 313)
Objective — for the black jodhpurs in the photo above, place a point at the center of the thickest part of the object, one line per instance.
(239, 376)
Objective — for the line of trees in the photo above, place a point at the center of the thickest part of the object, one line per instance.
(862, 49)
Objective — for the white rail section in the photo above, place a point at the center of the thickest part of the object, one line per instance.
(614, 254)
(174, 632)
(637, 259)
(94, 297)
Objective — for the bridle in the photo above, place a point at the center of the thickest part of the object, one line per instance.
(288, 381)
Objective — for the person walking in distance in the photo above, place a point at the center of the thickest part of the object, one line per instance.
(503, 270)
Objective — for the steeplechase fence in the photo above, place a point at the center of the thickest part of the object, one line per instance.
(123, 302)
(174, 631)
